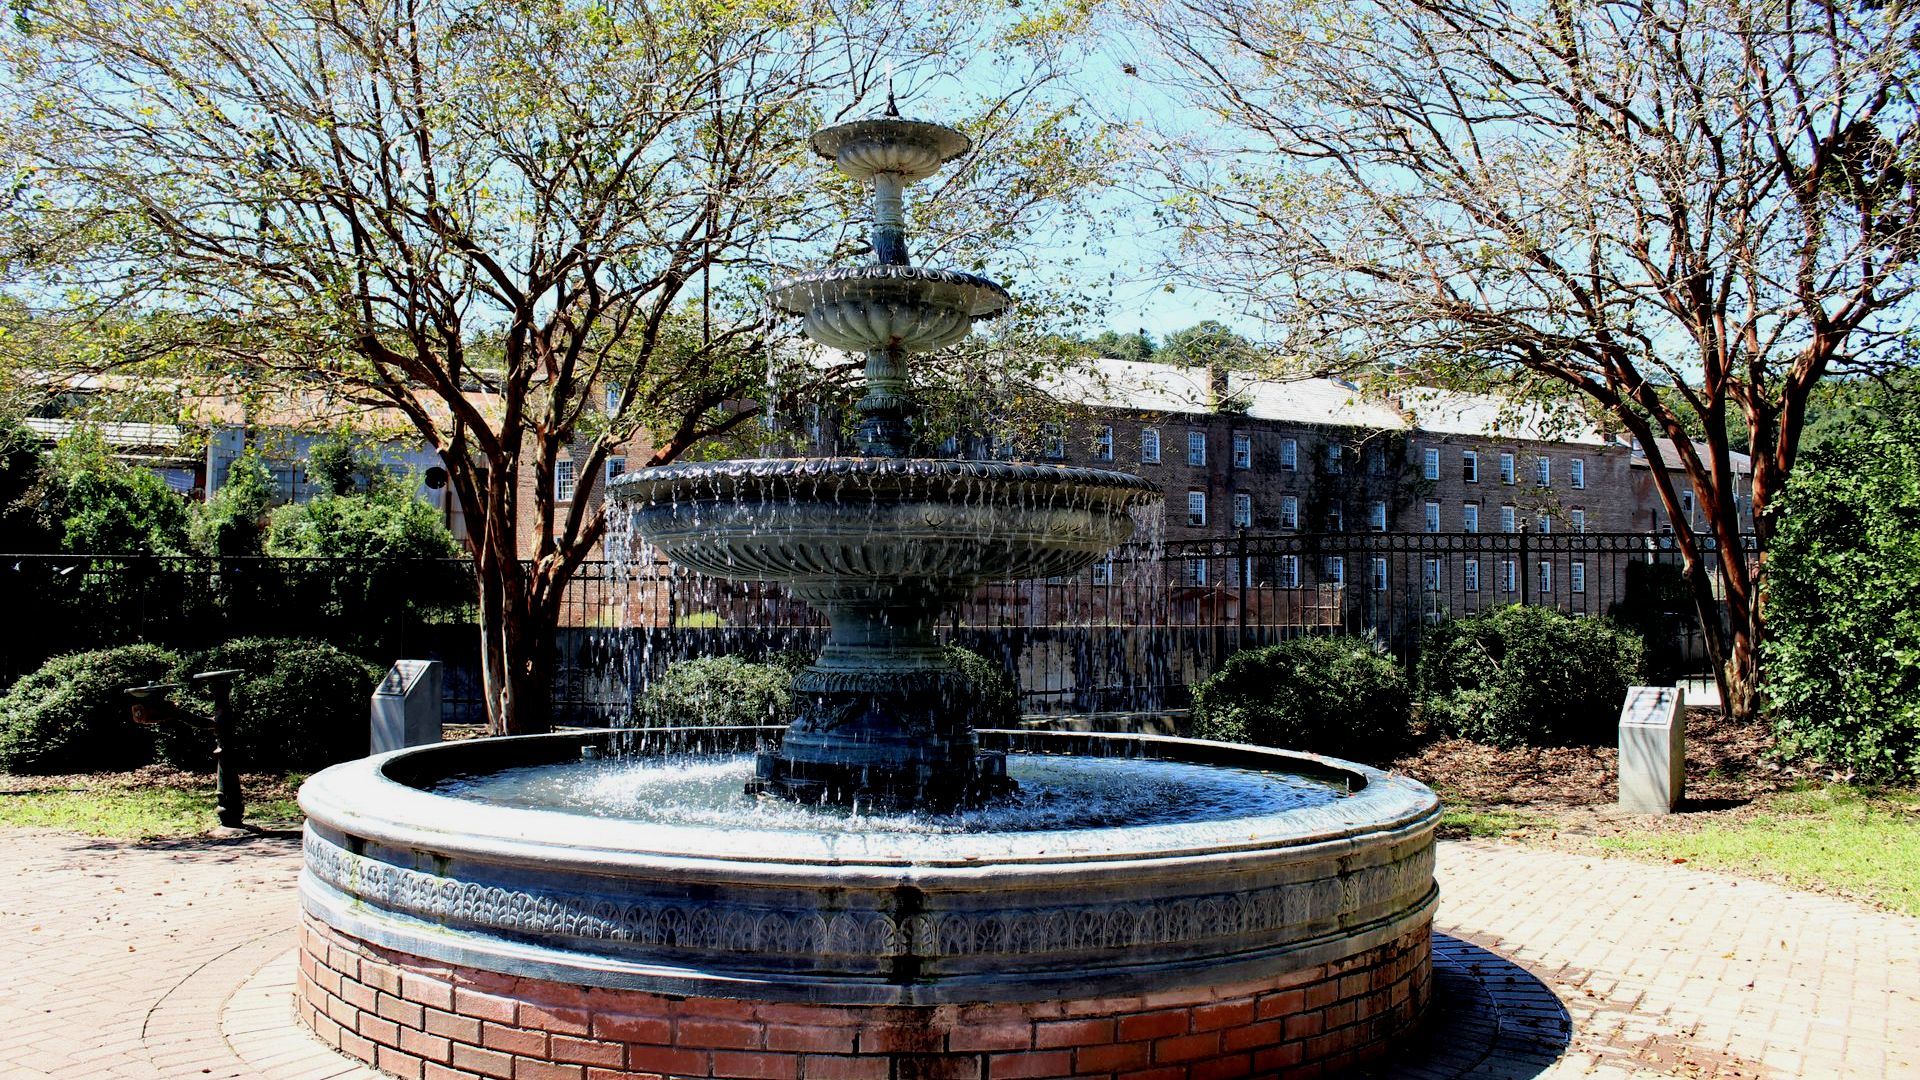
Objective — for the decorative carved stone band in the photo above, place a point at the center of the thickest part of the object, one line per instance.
(866, 919)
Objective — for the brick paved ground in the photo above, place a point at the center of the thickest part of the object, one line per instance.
(173, 960)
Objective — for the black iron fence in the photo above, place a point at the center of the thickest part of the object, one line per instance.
(1130, 633)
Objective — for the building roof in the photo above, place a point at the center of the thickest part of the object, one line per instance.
(1670, 455)
(120, 435)
(1144, 386)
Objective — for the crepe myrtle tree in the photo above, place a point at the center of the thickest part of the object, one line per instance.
(536, 229)
(1686, 213)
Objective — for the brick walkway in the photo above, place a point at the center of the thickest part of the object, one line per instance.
(171, 960)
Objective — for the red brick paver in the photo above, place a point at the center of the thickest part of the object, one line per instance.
(174, 960)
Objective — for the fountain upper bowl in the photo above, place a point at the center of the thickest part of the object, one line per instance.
(935, 523)
(904, 308)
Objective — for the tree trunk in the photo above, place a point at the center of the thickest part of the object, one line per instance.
(517, 637)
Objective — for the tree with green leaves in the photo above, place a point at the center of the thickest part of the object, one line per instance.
(538, 230)
(1683, 214)
(233, 522)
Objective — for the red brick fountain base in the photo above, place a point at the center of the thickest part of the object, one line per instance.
(435, 1021)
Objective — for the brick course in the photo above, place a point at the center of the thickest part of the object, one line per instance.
(458, 1023)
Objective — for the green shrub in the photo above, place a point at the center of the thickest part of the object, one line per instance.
(299, 705)
(74, 715)
(1527, 676)
(1842, 655)
(1328, 695)
(724, 691)
(996, 701)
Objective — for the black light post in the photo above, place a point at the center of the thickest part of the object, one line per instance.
(150, 706)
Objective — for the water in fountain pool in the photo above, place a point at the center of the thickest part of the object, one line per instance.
(1056, 793)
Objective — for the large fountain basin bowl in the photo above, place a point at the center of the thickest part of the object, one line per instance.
(901, 308)
(936, 524)
(856, 917)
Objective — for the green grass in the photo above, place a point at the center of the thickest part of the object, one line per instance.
(1459, 824)
(135, 812)
(1856, 841)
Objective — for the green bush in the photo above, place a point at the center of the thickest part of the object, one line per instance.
(996, 701)
(726, 691)
(1328, 695)
(96, 504)
(731, 690)
(299, 705)
(1527, 676)
(1842, 655)
(74, 715)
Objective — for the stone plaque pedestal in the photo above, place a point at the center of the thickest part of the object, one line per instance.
(1653, 749)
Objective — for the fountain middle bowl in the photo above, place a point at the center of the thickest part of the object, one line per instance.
(938, 524)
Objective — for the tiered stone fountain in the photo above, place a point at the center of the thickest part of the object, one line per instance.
(878, 889)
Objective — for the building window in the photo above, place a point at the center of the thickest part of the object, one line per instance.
(1196, 570)
(1546, 579)
(1196, 448)
(1196, 508)
(1430, 575)
(1242, 450)
(1103, 445)
(1543, 472)
(1337, 570)
(1430, 463)
(1377, 462)
(1103, 571)
(1056, 442)
(1433, 517)
(1289, 454)
(1543, 523)
(1509, 579)
(1509, 519)
(1289, 512)
(1470, 575)
(1149, 446)
(1470, 466)
(616, 466)
(1686, 507)
(613, 401)
(563, 480)
(1470, 517)
(1377, 515)
(1336, 519)
(1578, 519)
(1577, 577)
(1336, 459)
(1577, 472)
(1289, 571)
(1243, 511)
(1506, 468)
(1379, 574)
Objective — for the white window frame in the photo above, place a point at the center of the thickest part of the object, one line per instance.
(1469, 467)
(1543, 471)
(1150, 446)
(1507, 468)
(1242, 450)
(1336, 518)
(1470, 574)
(1377, 515)
(1577, 473)
(1430, 576)
(1242, 510)
(564, 480)
(1103, 444)
(1197, 449)
(1336, 571)
(1336, 459)
(1379, 573)
(1543, 523)
(1103, 571)
(1509, 576)
(1290, 512)
(613, 400)
(1577, 519)
(1196, 508)
(1545, 580)
(1289, 571)
(1509, 518)
(1433, 516)
(1430, 463)
(1470, 517)
(1196, 570)
(1577, 577)
(1056, 442)
(616, 467)
(1290, 454)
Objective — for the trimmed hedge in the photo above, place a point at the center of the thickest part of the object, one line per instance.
(301, 705)
(1327, 695)
(1527, 676)
(733, 691)
(74, 715)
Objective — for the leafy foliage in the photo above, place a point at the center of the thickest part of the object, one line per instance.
(74, 715)
(996, 700)
(723, 691)
(299, 704)
(385, 523)
(1656, 604)
(97, 504)
(1527, 676)
(1843, 658)
(1326, 694)
(232, 524)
